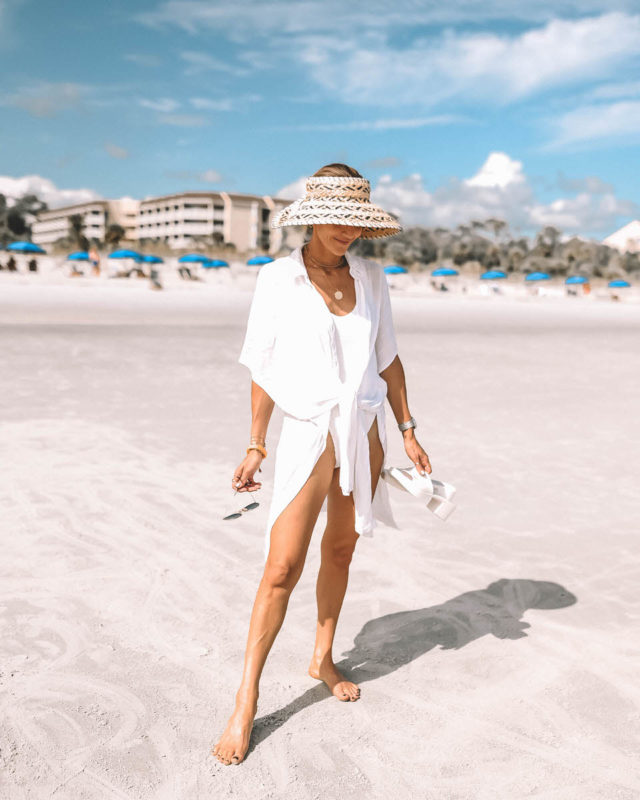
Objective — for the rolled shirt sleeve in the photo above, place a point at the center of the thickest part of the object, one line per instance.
(386, 345)
(259, 342)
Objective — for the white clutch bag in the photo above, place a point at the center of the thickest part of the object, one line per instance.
(438, 495)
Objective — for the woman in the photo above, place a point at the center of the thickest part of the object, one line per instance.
(320, 344)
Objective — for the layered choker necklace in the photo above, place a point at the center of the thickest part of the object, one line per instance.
(316, 264)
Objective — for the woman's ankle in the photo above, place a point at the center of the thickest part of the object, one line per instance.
(321, 655)
(247, 695)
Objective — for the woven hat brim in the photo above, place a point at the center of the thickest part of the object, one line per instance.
(374, 221)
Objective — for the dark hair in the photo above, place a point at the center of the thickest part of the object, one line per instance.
(337, 171)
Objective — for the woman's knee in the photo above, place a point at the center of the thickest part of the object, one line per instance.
(282, 573)
(339, 554)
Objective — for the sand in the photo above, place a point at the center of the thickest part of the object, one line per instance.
(498, 653)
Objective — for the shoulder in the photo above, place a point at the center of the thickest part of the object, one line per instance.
(371, 269)
(275, 271)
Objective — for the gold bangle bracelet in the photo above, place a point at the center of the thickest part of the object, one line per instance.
(258, 447)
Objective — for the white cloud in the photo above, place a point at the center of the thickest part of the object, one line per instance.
(614, 90)
(293, 190)
(7, 32)
(47, 99)
(237, 102)
(245, 20)
(590, 184)
(115, 151)
(143, 59)
(585, 212)
(198, 62)
(206, 176)
(210, 104)
(164, 104)
(499, 171)
(594, 123)
(500, 188)
(45, 189)
(377, 124)
(379, 54)
(182, 120)
(210, 176)
(384, 162)
(485, 67)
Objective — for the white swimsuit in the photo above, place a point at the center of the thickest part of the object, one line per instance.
(347, 346)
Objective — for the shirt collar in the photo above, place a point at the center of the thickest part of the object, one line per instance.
(300, 271)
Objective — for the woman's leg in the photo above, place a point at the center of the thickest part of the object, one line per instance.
(338, 544)
(289, 541)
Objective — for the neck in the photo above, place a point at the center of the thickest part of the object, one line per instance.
(321, 254)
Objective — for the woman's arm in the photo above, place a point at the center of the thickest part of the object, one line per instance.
(397, 396)
(261, 409)
(397, 391)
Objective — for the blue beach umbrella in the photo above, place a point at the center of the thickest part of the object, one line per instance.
(79, 256)
(125, 254)
(442, 272)
(214, 263)
(618, 284)
(192, 258)
(152, 259)
(25, 247)
(259, 260)
(394, 269)
(537, 276)
(577, 279)
(493, 274)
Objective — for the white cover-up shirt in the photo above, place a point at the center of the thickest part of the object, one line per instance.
(290, 347)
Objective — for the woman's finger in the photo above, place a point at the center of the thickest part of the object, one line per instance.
(239, 479)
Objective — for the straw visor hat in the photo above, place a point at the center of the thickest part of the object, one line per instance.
(330, 200)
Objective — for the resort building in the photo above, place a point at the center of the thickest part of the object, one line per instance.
(180, 221)
(189, 219)
(627, 239)
(97, 216)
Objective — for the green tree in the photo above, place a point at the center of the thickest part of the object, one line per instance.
(114, 234)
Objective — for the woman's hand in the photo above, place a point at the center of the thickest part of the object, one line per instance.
(242, 480)
(415, 452)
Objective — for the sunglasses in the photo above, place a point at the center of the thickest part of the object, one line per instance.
(237, 514)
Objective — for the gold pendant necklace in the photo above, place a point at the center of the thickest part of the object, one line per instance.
(343, 262)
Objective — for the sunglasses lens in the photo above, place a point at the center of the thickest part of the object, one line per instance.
(237, 514)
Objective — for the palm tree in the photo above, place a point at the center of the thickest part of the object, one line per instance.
(76, 231)
(114, 234)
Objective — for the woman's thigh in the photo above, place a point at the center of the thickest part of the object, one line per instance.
(341, 515)
(292, 529)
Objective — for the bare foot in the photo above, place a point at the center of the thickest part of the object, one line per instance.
(234, 742)
(325, 670)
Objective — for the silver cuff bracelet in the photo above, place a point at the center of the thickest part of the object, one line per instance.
(404, 426)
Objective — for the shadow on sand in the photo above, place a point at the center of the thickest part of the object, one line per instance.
(387, 643)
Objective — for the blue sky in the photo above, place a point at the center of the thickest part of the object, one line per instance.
(454, 111)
